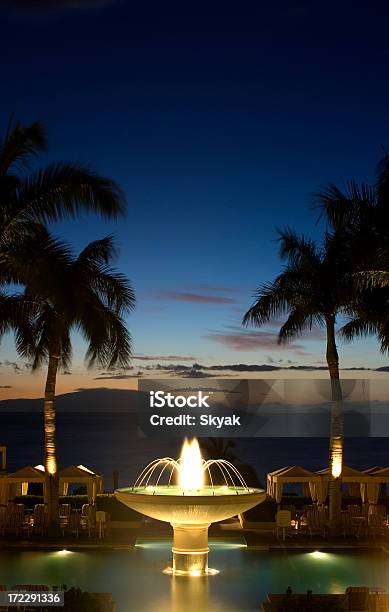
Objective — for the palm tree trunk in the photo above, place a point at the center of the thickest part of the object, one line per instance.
(336, 432)
(52, 479)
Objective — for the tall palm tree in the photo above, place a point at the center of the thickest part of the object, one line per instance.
(28, 201)
(74, 293)
(313, 289)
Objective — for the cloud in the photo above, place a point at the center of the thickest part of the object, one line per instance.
(197, 370)
(164, 358)
(283, 365)
(252, 341)
(219, 289)
(196, 298)
(119, 369)
(13, 365)
(116, 376)
(5, 386)
(51, 7)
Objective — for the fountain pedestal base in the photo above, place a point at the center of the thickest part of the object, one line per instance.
(190, 550)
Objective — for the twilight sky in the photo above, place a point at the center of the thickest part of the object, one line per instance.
(219, 126)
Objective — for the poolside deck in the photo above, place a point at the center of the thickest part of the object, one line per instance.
(255, 539)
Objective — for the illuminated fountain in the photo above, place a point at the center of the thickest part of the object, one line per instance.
(190, 505)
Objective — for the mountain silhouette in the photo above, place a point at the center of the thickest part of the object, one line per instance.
(81, 400)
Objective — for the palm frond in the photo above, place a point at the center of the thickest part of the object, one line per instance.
(333, 204)
(113, 288)
(20, 143)
(109, 342)
(66, 349)
(344, 208)
(271, 300)
(371, 279)
(15, 311)
(382, 182)
(80, 293)
(67, 189)
(357, 328)
(98, 253)
(37, 261)
(293, 327)
(45, 328)
(297, 249)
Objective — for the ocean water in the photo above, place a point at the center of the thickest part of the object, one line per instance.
(110, 440)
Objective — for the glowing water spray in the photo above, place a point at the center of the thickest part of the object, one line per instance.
(191, 473)
(190, 505)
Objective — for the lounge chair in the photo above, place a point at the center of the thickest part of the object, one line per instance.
(292, 510)
(298, 602)
(357, 599)
(354, 509)
(376, 525)
(3, 519)
(316, 522)
(74, 525)
(14, 521)
(88, 518)
(64, 515)
(30, 587)
(102, 519)
(283, 518)
(347, 526)
(40, 519)
(65, 510)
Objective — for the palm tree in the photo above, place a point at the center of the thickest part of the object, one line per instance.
(313, 289)
(30, 200)
(74, 293)
(220, 448)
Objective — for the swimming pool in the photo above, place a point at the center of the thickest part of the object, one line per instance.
(138, 585)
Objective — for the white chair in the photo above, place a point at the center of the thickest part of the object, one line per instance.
(283, 518)
(101, 522)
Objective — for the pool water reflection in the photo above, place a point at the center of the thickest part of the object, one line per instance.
(136, 580)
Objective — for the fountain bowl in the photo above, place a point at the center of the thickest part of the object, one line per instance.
(209, 504)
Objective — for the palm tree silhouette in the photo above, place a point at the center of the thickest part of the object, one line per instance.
(50, 193)
(313, 289)
(220, 448)
(82, 293)
(360, 213)
(29, 200)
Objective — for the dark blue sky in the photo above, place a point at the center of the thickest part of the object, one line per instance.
(219, 125)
